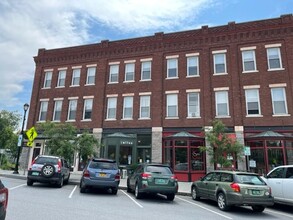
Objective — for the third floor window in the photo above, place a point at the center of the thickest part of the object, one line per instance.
(61, 78)
(48, 79)
(75, 77)
(114, 72)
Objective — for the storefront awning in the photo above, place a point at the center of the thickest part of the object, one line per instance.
(120, 135)
(268, 134)
(183, 134)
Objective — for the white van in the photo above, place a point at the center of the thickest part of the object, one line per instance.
(280, 179)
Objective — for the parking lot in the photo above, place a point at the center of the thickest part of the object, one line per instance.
(48, 202)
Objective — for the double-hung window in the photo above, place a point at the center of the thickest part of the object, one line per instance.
(114, 72)
(61, 78)
(146, 70)
(192, 65)
(72, 110)
(43, 111)
(129, 72)
(279, 100)
(111, 108)
(274, 57)
(172, 67)
(48, 79)
(172, 105)
(220, 66)
(145, 106)
(252, 101)
(222, 103)
(248, 59)
(87, 109)
(193, 104)
(127, 107)
(91, 75)
(75, 77)
(57, 110)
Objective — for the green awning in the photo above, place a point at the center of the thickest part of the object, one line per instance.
(120, 135)
(268, 134)
(183, 134)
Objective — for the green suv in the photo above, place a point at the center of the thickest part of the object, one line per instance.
(233, 188)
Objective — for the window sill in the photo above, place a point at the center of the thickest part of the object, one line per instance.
(89, 84)
(41, 121)
(86, 120)
(74, 86)
(46, 88)
(130, 81)
(145, 80)
(112, 82)
(277, 69)
(59, 87)
(254, 116)
(70, 121)
(250, 71)
(283, 115)
(110, 119)
(144, 119)
(220, 74)
(168, 118)
(193, 76)
(223, 116)
(172, 78)
(127, 119)
(196, 117)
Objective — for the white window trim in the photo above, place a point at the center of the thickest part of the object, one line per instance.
(141, 71)
(193, 117)
(254, 59)
(197, 65)
(84, 105)
(87, 75)
(225, 62)
(54, 111)
(176, 59)
(123, 114)
(258, 102)
(133, 80)
(280, 57)
(167, 113)
(146, 59)
(285, 102)
(140, 117)
(107, 114)
(71, 99)
(228, 108)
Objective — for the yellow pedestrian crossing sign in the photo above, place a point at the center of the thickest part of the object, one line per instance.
(31, 134)
(29, 144)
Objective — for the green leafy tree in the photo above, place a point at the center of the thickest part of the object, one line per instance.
(87, 145)
(223, 149)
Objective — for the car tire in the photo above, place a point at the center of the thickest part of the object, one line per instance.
(29, 182)
(61, 182)
(258, 208)
(194, 193)
(222, 202)
(114, 191)
(48, 170)
(67, 180)
(82, 188)
(137, 194)
(171, 196)
(128, 186)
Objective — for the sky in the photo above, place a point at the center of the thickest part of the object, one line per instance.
(27, 25)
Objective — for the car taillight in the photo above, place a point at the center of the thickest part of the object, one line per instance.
(117, 176)
(235, 187)
(59, 166)
(32, 164)
(145, 175)
(86, 173)
(174, 177)
(4, 197)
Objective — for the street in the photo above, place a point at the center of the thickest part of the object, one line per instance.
(46, 202)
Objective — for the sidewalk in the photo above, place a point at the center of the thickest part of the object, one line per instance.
(184, 187)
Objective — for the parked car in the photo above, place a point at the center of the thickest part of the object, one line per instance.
(3, 200)
(152, 178)
(280, 179)
(49, 169)
(233, 188)
(100, 173)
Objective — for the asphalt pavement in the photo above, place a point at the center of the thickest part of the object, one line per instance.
(184, 187)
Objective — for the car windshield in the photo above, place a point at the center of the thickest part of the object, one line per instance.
(43, 160)
(103, 165)
(158, 169)
(249, 179)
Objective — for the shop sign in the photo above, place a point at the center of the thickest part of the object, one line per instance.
(126, 142)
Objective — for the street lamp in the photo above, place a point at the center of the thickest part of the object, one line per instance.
(25, 108)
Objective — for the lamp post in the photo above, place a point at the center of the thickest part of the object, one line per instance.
(25, 108)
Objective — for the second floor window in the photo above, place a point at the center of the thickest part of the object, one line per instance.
(192, 66)
(279, 101)
(43, 111)
(61, 78)
(72, 109)
(48, 79)
(252, 102)
(91, 75)
(87, 109)
(111, 108)
(128, 107)
(146, 70)
(193, 104)
(220, 63)
(172, 71)
(274, 58)
(222, 104)
(114, 72)
(172, 105)
(144, 106)
(129, 72)
(75, 77)
(57, 110)
(248, 60)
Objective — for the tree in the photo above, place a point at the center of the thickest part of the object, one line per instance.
(87, 145)
(223, 149)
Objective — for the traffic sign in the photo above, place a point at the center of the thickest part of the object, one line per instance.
(29, 144)
(247, 151)
(31, 134)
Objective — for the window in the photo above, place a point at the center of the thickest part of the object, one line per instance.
(57, 110)
(127, 107)
(248, 60)
(43, 111)
(274, 58)
(61, 78)
(48, 79)
(129, 72)
(172, 68)
(172, 105)
(111, 109)
(192, 66)
(114, 71)
(87, 112)
(252, 102)
(220, 63)
(146, 70)
(91, 73)
(75, 77)
(222, 105)
(279, 101)
(72, 110)
(193, 104)
(144, 106)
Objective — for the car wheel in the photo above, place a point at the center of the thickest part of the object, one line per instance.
(29, 182)
(171, 196)
(194, 193)
(67, 180)
(137, 194)
(82, 187)
(258, 208)
(48, 170)
(114, 191)
(61, 182)
(128, 186)
(222, 202)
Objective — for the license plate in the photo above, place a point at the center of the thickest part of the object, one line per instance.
(35, 173)
(255, 192)
(160, 181)
(102, 175)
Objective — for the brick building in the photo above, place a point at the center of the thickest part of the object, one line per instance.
(149, 98)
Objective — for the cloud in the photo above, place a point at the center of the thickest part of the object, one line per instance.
(27, 26)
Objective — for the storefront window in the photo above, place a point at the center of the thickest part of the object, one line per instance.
(181, 159)
(169, 156)
(275, 158)
(257, 161)
(196, 159)
(143, 155)
(168, 143)
(180, 143)
(144, 140)
(112, 152)
(195, 143)
(125, 155)
(256, 144)
(274, 143)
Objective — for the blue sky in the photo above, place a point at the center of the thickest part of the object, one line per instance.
(27, 25)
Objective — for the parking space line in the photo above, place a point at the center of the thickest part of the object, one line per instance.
(70, 196)
(12, 188)
(278, 213)
(192, 203)
(139, 205)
